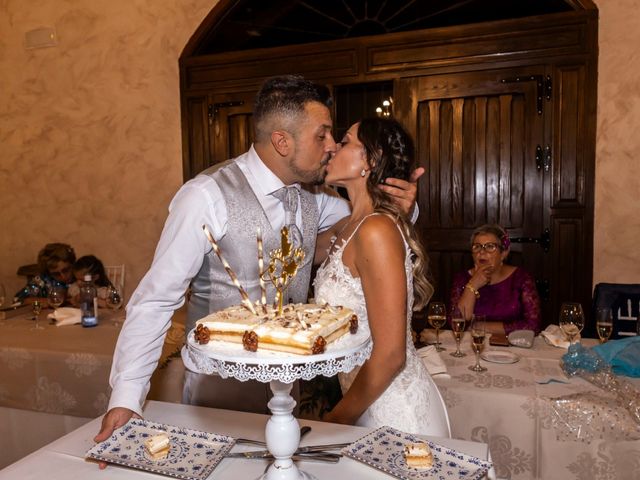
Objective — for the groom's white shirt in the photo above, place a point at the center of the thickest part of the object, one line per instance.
(178, 258)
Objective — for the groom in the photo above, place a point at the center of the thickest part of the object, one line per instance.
(293, 142)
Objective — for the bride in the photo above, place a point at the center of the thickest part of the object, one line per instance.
(373, 263)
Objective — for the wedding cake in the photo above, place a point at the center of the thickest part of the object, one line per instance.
(300, 328)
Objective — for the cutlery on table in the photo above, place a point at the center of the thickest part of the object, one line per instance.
(247, 441)
(311, 456)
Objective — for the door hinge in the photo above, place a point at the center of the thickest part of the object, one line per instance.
(543, 158)
(544, 87)
(544, 240)
(214, 108)
(542, 286)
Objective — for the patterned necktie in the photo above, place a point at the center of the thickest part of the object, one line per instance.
(289, 198)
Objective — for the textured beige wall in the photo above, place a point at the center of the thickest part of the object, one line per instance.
(617, 205)
(90, 150)
(90, 130)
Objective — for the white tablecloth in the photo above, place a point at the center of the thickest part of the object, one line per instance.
(55, 379)
(529, 438)
(64, 458)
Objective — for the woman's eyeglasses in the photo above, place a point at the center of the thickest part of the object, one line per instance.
(488, 247)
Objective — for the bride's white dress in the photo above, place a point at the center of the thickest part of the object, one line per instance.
(412, 402)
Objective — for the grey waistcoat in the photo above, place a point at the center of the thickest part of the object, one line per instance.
(211, 288)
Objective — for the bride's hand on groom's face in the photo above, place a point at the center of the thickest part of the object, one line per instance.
(404, 192)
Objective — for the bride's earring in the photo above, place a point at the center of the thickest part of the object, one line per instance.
(363, 172)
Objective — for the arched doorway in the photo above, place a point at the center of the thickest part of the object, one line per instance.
(503, 113)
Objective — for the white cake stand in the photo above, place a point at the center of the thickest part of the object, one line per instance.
(282, 432)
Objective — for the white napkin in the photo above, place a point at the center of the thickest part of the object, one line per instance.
(65, 316)
(431, 359)
(554, 336)
(428, 335)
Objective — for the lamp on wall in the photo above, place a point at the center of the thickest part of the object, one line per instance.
(386, 110)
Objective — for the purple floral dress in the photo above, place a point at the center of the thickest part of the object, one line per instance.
(513, 301)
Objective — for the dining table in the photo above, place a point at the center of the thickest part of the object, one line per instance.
(538, 422)
(56, 378)
(65, 457)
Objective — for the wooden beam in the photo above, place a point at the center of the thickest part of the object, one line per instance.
(582, 4)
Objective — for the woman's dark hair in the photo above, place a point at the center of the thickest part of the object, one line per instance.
(93, 266)
(52, 253)
(390, 153)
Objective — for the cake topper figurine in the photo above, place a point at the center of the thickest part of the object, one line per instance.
(283, 265)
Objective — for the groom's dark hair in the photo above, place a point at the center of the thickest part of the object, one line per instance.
(281, 100)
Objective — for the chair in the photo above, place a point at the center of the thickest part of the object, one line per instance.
(115, 273)
(624, 301)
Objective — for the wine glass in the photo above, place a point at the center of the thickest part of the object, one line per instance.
(458, 321)
(35, 291)
(604, 323)
(571, 323)
(478, 332)
(36, 308)
(114, 301)
(56, 296)
(437, 316)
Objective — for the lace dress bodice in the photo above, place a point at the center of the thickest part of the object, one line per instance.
(406, 404)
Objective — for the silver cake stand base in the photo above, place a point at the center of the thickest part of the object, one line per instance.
(282, 432)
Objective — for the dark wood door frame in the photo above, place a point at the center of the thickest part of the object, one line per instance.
(564, 46)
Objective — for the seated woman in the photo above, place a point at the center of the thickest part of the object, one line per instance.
(55, 262)
(376, 265)
(506, 294)
(89, 265)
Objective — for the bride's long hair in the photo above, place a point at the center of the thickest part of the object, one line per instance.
(390, 153)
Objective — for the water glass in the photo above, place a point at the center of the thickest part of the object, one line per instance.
(114, 301)
(57, 296)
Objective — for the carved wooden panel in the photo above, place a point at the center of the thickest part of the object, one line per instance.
(196, 152)
(476, 136)
(569, 140)
(570, 260)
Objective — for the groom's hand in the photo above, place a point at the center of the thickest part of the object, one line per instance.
(404, 192)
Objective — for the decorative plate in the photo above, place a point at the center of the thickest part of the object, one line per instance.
(193, 454)
(384, 449)
(499, 356)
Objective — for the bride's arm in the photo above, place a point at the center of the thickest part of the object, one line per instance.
(377, 252)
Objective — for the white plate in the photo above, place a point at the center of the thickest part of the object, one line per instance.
(193, 454)
(384, 449)
(499, 356)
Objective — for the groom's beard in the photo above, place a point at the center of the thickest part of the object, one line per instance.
(311, 177)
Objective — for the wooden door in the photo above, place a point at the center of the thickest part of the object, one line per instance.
(220, 127)
(477, 134)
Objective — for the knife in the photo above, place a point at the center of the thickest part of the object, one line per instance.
(312, 456)
(301, 450)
